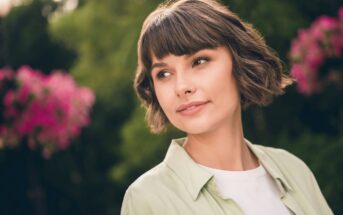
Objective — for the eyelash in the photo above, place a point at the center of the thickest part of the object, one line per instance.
(160, 74)
(198, 59)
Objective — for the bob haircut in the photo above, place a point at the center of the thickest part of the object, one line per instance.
(187, 26)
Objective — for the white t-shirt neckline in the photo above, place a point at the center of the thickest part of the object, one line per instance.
(237, 175)
(254, 190)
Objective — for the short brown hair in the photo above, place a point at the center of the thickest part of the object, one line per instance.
(187, 26)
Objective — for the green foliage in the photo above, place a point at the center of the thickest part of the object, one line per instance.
(139, 144)
(274, 19)
(106, 46)
(105, 36)
(25, 40)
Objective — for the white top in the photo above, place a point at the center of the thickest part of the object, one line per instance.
(254, 190)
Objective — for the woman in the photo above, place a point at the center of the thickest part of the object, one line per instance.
(198, 66)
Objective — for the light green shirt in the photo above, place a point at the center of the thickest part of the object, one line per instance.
(178, 186)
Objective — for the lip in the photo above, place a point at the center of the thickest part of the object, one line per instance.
(191, 108)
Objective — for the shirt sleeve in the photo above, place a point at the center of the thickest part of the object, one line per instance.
(134, 203)
(323, 205)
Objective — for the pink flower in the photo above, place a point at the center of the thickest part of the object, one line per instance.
(312, 47)
(32, 80)
(9, 102)
(336, 41)
(299, 46)
(314, 55)
(296, 52)
(71, 108)
(322, 26)
(23, 93)
(306, 79)
(49, 110)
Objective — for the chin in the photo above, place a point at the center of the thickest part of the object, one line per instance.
(195, 129)
(196, 125)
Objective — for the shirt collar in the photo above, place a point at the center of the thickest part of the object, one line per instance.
(195, 178)
(269, 164)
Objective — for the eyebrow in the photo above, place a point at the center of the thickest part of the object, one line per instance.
(155, 65)
(161, 64)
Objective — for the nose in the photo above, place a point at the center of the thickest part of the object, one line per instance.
(184, 86)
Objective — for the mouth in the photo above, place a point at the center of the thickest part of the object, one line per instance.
(191, 108)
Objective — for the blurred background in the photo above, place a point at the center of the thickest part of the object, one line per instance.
(95, 42)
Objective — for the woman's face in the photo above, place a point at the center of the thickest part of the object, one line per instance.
(197, 92)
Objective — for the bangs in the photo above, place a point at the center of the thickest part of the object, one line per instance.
(179, 33)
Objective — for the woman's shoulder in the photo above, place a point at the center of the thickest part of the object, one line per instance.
(292, 171)
(283, 158)
(280, 154)
(150, 178)
(147, 191)
(137, 195)
(158, 178)
(297, 174)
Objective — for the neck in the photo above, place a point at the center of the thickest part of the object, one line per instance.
(223, 148)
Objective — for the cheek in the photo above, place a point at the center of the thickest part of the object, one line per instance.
(226, 89)
(220, 82)
(164, 98)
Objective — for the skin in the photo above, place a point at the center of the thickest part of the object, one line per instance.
(214, 130)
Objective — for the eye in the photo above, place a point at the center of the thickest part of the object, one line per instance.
(200, 60)
(162, 74)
